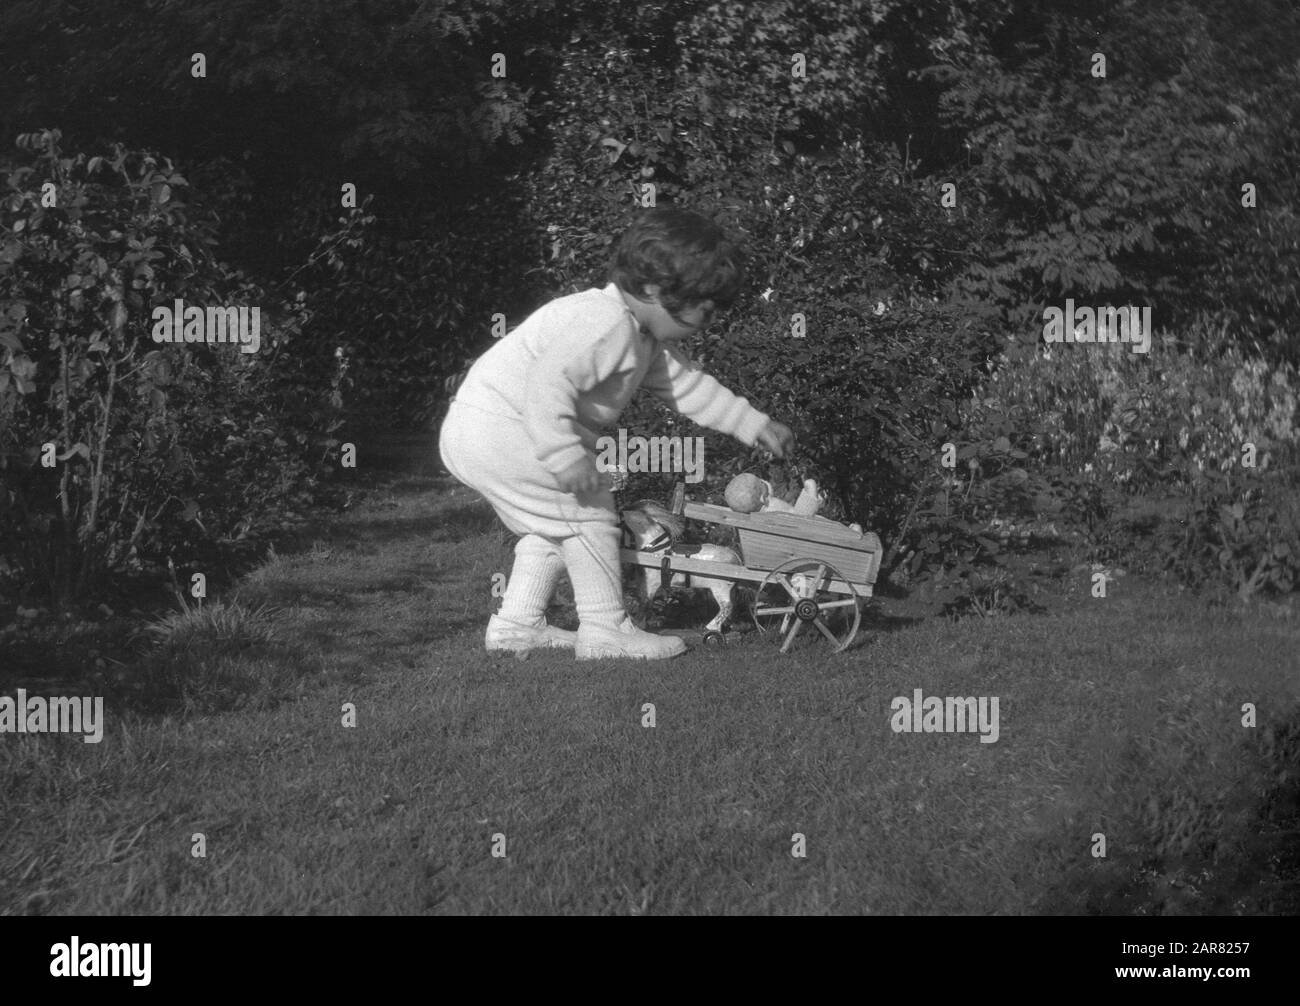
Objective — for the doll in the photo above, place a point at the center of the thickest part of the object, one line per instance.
(750, 494)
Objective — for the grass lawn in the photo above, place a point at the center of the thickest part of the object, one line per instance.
(1119, 717)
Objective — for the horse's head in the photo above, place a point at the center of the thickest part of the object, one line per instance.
(653, 528)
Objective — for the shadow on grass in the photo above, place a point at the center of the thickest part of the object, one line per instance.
(241, 658)
(409, 452)
(448, 524)
(368, 537)
(446, 629)
(81, 651)
(343, 594)
(878, 621)
(417, 485)
(29, 660)
(690, 611)
(1219, 850)
(378, 645)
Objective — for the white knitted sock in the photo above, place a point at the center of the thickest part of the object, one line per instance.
(592, 559)
(532, 580)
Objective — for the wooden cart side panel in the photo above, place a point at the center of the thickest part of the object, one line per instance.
(767, 551)
(769, 539)
(791, 525)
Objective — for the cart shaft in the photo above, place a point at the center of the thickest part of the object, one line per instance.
(724, 570)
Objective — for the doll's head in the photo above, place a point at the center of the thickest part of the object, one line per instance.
(747, 493)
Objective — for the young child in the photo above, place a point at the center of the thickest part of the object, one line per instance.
(523, 426)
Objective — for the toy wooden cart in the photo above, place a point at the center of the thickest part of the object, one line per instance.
(810, 572)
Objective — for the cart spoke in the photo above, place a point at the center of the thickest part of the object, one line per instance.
(825, 631)
(817, 580)
(785, 582)
(774, 611)
(838, 604)
(798, 624)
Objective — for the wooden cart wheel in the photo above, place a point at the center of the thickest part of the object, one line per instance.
(795, 595)
(714, 639)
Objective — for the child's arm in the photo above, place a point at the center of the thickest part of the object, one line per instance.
(696, 395)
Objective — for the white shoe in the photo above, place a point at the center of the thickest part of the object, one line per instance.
(506, 634)
(598, 641)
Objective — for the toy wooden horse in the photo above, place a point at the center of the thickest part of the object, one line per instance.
(655, 530)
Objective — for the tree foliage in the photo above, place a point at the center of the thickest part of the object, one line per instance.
(830, 135)
(116, 451)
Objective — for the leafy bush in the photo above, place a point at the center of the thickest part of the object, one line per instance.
(977, 520)
(1145, 453)
(1242, 533)
(1129, 187)
(404, 302)
(160, 448)
(838, 232)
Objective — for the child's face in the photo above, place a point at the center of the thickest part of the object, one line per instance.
(653, 316)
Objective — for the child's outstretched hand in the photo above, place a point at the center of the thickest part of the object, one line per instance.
(777, 438)
(582, 477)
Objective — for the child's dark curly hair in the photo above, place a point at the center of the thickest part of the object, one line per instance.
(688, 256)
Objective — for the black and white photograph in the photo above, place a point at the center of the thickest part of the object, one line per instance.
(605, 458)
